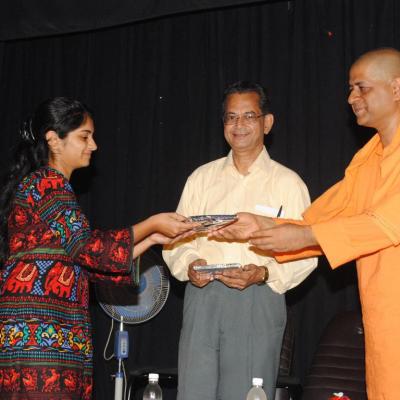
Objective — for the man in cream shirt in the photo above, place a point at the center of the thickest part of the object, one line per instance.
(233, 323)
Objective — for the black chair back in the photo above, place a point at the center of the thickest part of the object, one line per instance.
(339, 363)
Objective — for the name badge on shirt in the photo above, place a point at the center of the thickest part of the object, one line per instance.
(268, 211)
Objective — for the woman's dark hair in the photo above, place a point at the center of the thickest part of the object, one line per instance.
(59, 114)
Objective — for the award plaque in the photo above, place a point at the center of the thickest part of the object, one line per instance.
(215, 267)
(210, 221)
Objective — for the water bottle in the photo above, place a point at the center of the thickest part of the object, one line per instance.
(257, 391)
(152, 391)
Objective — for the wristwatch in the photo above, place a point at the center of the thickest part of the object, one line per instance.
(265, 277)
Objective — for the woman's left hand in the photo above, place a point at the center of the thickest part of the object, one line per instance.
(172, 224)
(159, 238)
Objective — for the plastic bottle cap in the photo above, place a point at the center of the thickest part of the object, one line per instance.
(153, 377)
(257, 381)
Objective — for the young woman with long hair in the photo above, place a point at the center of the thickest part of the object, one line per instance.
(48, 255)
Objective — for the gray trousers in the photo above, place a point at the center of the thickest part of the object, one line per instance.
(228, 337)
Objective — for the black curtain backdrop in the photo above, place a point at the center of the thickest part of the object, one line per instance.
(155, 88)
(32, 18)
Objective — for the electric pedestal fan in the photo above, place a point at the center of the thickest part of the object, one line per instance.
(134, 305)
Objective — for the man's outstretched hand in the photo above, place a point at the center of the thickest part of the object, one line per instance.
(283, 238)
(242, 228)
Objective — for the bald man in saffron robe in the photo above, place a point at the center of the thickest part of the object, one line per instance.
(356, 219)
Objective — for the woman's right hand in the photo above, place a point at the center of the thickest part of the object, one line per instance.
(171, 224)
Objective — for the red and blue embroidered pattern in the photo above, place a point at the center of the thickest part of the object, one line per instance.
(45, 339)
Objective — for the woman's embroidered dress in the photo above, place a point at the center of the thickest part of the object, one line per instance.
(45, 331)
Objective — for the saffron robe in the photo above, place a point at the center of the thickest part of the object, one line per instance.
(359, 219)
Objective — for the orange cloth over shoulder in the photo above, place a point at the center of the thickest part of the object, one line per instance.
(359, 219)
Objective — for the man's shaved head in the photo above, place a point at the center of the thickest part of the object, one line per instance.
(382, 64)
(375, 91)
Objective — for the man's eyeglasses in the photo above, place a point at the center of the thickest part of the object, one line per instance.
(247, 118)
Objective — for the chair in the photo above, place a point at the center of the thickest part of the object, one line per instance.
(288, 386)
(339, 365)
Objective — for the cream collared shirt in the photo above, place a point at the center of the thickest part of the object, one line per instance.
(218, 188)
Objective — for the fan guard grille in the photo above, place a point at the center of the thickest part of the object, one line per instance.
(136, 304)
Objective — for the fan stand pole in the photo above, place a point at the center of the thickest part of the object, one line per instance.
(121, 351)
(150, 297)
(119, 383)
